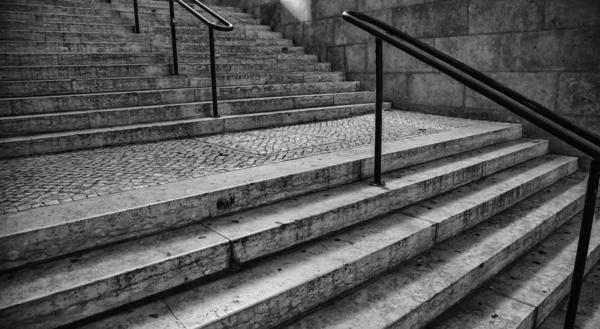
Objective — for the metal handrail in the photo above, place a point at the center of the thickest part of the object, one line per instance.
(578, 137)
(211, 27)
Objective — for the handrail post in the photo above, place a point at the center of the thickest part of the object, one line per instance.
(137, 18)
(378, 111)
(173, 38)
(583, 244)
(213, 71)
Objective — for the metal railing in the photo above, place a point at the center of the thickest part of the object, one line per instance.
(136, 16)
(582, 139)
(211, 37)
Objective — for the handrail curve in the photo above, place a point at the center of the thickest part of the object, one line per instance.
(226, 28)
(576, 136)
(211, 37)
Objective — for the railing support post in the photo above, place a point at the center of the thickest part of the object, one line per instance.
(173, 38)
(213, 70)
(137, 18)
(378, 112)
(584, 240)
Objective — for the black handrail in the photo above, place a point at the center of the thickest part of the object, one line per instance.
(578, 137)
(136, 16)
(211, 37)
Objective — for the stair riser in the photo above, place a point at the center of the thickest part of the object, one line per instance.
(115, 118)
(66, 27)
(248, 30)
(104, 101)
(68, 37)
(215, 257)
(7, 18)
(66, 72)
(200, 43)
(264, 243)
(26, 88)
(36, 245)
(43, 47)
(136, 58)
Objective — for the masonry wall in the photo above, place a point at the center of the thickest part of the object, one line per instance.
(547, 49)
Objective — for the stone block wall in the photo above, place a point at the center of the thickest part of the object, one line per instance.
(547, 49)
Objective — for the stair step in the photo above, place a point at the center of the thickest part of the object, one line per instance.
(95, 268)
(89, 85)
(523, 295)
(30, 236)
(32, 124)
(70, 47)
(34, 18)
(266, 293)
(588, 312)
(155, 131)
(414, 293)
(67, 27)
(136, 58)
(84, 102)
(19, 73)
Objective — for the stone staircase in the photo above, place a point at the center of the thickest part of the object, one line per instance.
(475, 227)
(74, 78)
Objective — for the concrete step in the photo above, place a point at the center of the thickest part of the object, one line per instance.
(94, 85)
(33, 18)
(296, 281)
(146, 57)
(20, 73)
(588, 312)
(414, 293)
(136, 259)
(156, 131)
(94, 118)
(524, 295)
(17, 47)
(30, 236)
(54, 36)
(84, 102)
(67, 27)
(199, 30)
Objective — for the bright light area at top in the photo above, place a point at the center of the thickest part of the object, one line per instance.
(299, 9)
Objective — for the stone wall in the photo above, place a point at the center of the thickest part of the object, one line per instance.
(547, 49)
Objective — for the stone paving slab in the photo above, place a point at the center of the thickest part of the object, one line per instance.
(38, 181)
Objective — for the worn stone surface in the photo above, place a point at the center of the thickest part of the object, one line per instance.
(87, 284)
(259, 232)
(422, 288)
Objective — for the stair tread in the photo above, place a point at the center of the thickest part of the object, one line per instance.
(531, 288)
(415, 292)
(32, 282)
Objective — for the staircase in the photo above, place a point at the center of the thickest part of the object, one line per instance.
(476, 226)
(76, 78)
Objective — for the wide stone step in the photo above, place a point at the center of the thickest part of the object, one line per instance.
(524, 295)
(199, 30)
(264, 294)
(146, 57)
(588, 312)
(414, 293)
(33, 18)
(67, 27)
(72, 47)
(156, 131)
(19, 73)
(93, 85)
(105, 267)
(23, 125)
(31, 235)
(83, 102)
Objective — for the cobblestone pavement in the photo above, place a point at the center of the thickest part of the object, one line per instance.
(47, 180)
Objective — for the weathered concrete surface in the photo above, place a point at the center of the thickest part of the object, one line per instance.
(416, 292)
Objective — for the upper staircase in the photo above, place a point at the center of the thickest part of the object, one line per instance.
(73, 75)
(266, 218)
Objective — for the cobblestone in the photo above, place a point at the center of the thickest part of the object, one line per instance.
(47, 180)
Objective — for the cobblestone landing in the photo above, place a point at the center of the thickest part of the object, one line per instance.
(32, 182)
